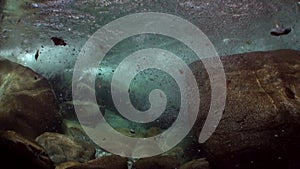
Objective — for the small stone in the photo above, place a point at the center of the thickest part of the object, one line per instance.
(128, 132)
(132, 131)
(35, 5)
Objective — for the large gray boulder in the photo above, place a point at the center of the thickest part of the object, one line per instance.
(27, 101)
(260, 127)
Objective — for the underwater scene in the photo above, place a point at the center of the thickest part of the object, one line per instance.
(150, 84)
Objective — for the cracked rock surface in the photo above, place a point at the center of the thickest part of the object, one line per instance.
(260, 126)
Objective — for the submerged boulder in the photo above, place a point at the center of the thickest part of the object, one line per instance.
(108, 162)
(63, 149)
(18, 152)
(27, 102)
(157, 162)
(260, 126)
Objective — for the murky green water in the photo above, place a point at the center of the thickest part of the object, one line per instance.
(232, 26)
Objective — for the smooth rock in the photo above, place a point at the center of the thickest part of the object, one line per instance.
(157, 162)
(67, 165)
(63, 149)
(108, 162)
(18, 152)
(27, 101)
(260, 126)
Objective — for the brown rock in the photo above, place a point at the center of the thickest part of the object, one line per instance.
(18, 152)
(67, 165)
(196, 164)
(157, 162)
(62, 148)
(28, 104)
(260, 127)
(108, 162)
